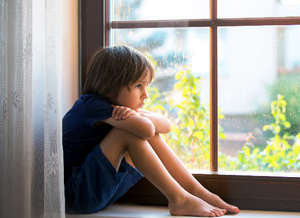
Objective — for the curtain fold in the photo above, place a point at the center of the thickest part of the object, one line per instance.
(31, 159)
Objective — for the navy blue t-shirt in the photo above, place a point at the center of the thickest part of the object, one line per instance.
(79, 134)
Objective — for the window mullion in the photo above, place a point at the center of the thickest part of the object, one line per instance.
(132, 24)
(258, 21)
(107, 21)
(213, 88)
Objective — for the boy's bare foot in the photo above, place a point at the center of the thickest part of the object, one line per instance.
(216, 201)
(193, 206)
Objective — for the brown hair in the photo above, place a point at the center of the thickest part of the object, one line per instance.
(111, 68)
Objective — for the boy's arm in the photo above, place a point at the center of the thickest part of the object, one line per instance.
(161, 123)
(134, 123)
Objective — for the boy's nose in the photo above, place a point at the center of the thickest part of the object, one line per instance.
(145, 94)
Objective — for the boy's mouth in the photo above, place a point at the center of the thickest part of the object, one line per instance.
(141, 105)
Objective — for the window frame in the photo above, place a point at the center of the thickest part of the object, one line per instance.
(256, 191)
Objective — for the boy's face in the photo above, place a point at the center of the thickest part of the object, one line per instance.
(135, 97)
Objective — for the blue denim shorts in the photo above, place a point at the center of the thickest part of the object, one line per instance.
(95, 184)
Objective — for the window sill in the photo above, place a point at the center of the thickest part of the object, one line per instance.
(259, 191)
(126, 211)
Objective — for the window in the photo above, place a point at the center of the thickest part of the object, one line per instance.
(212, 35)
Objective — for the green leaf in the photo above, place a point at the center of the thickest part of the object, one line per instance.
(222, 135)
(277, 129)
(246, 151)
(191, 123)
(283, 102)
(178, 75)
(266, 127)
(273, 103)
(159, 107)
(178, 106)
(255, 151)
(282, 117)
(287, 124)
(198, 134)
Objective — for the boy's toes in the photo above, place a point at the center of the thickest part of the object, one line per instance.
(233, 209)
(211, 214)
(218, 212)
(224, 211)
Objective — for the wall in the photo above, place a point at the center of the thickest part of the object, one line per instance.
(69, 55)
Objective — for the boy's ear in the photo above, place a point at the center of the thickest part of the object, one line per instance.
(109, 95)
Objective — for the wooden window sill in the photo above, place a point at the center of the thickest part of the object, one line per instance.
(259, 191)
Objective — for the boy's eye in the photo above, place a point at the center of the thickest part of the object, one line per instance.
(138, 86)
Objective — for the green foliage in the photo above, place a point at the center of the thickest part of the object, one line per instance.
(190, 132)
(289, 86)
(278, 155)
(189, 136)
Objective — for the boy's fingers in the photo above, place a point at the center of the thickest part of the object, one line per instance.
(127, 114)
(116, 112)
(122, 112)
(113, 113)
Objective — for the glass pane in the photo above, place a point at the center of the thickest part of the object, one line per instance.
(181, 86)
(258, 8)
(159, 10)
(259, 96)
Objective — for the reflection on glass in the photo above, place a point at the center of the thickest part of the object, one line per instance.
(258, 8)
(260, 99)
(181, 86)
(159, 10)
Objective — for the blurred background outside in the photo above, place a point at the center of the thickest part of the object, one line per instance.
(256, 66)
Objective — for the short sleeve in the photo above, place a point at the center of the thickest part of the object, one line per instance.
(97, 109)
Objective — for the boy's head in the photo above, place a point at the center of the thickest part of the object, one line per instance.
(112, 68)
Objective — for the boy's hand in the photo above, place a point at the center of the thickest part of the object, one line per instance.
(121, 112)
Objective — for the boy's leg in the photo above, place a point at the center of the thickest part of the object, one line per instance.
(95, 184)
(114, 147)
(183, 176)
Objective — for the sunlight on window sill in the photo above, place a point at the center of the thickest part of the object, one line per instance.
(242, 173)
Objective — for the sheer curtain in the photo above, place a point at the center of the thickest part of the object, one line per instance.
(31, 164)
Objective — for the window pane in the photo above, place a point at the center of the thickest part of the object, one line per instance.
(259, 68)
(171, 50)
(159, 10)
(258, 8)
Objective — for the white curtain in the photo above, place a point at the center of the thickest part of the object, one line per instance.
(31, 160)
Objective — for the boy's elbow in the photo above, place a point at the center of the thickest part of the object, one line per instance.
(149, 131)
(168, 130)
(168, 126)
